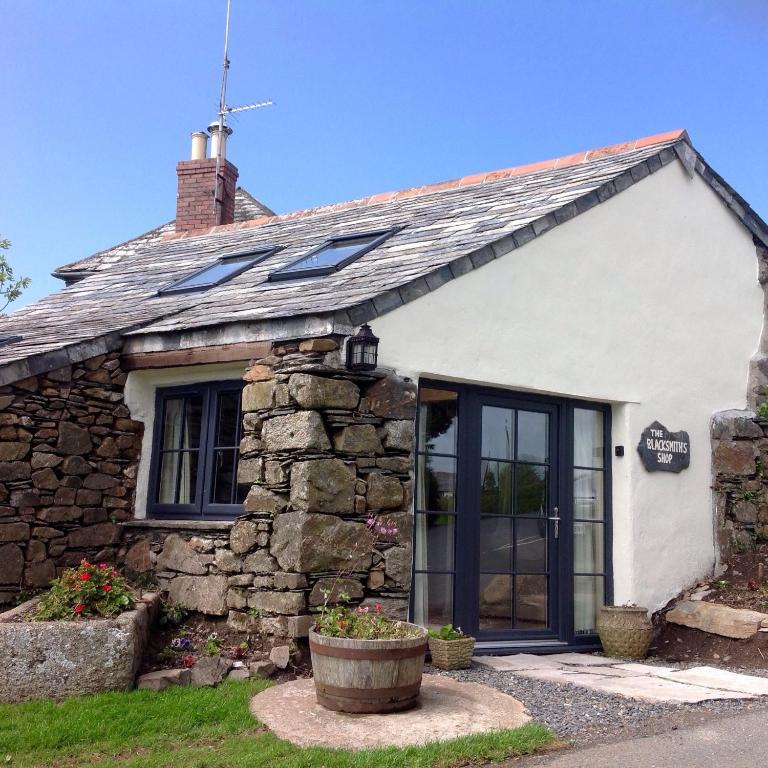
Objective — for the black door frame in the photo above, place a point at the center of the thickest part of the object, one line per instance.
(560, 635)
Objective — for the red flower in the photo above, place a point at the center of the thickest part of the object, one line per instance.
(751, 584)
(85, 577)
(107, 587)
(377, 607)
(342, 623)
(85, 564)
(79, 608)
(188, 661)
(102, 566)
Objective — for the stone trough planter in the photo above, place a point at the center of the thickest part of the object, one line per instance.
(56, 659)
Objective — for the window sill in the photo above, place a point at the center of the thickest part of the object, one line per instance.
(181, 525)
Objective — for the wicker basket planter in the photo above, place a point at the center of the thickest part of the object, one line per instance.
(368, 676)
(624, 631)
(452, 654)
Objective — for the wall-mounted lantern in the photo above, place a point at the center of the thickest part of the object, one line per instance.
(362, 350)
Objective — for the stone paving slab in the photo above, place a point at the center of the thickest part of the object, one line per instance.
(581, 659)
(447, 709)
(516, 662)
(643, 669)
(721, 679)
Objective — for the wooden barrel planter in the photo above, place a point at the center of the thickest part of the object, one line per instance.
(368, 676)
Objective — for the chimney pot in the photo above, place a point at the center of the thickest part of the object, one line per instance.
(199, 145)
(219, 142)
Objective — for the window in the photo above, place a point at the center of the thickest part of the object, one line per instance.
(4, 340)
(332, 255)
(196, 451)
(224, 268)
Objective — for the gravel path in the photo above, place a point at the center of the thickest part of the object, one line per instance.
(580, 715)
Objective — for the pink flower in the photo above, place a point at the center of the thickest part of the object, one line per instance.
(102, 566)
(370, 522)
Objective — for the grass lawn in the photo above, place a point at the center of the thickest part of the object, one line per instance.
(207, 728)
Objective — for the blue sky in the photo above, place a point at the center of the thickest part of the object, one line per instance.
(99, 98)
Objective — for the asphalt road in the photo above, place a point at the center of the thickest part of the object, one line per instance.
(739, 741)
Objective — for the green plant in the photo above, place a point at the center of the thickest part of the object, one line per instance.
(171, 615)
(88, 590)
(212, 646)
(23, 596)
(723, 584)
(166, 655)
(749, 495)
(762, 410)
(447, 632)
(10, 287)
(361, 623)
(257, 613)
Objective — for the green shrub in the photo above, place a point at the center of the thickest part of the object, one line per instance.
(447, 632)
(88, 590)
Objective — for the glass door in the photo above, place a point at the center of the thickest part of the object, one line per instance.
(517, 520)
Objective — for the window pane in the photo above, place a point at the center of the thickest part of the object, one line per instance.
(496, 488)
(495, 601)
(215, 273)
(532, 436)
(588, 494)
(437, 421)
(188, 480)
(498, 433)
(588, 442)
(433, 599)
(174, 409)
(333, 253)
(228, 422)
(587, 600)
(531, 602)
(224, 476)
(193, 420)
(496, 544)
(436, 484)
(531, 490)
(531, 545)
(166, 487)
(434, 542)
(588, 554)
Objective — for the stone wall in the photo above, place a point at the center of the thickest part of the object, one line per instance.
(323, 450)
(68, 458)
(740, 479)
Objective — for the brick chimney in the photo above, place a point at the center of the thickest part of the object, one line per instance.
(196, 208)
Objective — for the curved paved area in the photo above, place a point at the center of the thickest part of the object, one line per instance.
(447, 709)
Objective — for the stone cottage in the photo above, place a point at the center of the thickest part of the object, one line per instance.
(562, 349)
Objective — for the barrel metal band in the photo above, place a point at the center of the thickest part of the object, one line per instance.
(400, 692)
(377, 654)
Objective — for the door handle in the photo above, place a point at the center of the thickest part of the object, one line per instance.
(556, 520)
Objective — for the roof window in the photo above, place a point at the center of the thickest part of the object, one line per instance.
(8, 339)
(334, 254)
(224, 268)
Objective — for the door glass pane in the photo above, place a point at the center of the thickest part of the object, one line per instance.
(436, 484)
(434, 542)
(193, 419)
(531, 602)
(588, 599)
(531, 490)
(166, 487)
(498, 430)
(174, 409)
(437, 421)
(495, 601)
(228, 426)
(224, 477)
(496, 488)
(496, 544)
(588, 501)
(188, 479)
(433, 599)
(588, 547)
(588, 448)
(531, 545)
(532, 436)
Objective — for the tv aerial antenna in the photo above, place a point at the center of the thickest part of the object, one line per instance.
(225, 110)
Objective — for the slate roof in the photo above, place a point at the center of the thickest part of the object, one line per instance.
(445, 230)
(246, 207)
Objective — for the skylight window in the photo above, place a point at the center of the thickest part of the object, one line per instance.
(334, 254)
(7, 339)
(225, 268)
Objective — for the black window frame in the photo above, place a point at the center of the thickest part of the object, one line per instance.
(288, 272)
(177, 286)
(203, 508)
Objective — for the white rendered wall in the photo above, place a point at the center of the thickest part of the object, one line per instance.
(649, 301)
(140, 389)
